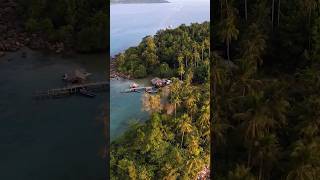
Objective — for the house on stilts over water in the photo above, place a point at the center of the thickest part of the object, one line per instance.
(76, 76)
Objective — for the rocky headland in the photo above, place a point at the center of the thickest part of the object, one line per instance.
(13, 35)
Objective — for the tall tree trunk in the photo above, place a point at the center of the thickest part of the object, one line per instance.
(228, 50)
(249, 155)
(221, 16)
(246, 9)
(182, 139)
(202, 53)
(186, 62)
(175, 110)
(260, 170)
(279, 9)
(309, 26)
(272, 15)
(227, 8)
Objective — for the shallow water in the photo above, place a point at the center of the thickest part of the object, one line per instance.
(49, 139)
(125, 107)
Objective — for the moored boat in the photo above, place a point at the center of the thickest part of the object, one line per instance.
(134, 85)
(86, 93)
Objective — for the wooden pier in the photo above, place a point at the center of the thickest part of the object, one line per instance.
(71, 90)
(136, 89)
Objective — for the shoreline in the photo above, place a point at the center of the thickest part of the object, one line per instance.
(14, 36)
(115, 74)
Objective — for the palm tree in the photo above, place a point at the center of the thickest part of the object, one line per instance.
(188, 81)
(204, 118)
(279, 10)
(184, 126)
(228, 30)
(191, 104)
(241, 173)
(202, 50)
(253, 47)
(196, 57)
(187, 55)
(309, 6)
(272, 13)
(175, 96)
(246, 10)
(206, 43)
(181, 67)
(194, 145)
(266, 153)
(253, 120)
(151, 103)
(194, 165)
(305, 160)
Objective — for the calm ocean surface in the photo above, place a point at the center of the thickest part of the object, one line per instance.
(49, 139)
(129, 24)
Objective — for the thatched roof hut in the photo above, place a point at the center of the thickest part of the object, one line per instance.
(76, 76)
(160, 82)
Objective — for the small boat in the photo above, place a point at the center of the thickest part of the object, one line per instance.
(130, 90)
(151, 90)
(134, 85)
(86, 93)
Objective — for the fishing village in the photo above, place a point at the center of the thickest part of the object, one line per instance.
(156, 83)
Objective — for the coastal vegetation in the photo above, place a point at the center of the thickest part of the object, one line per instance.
(175, 142)
(169, 53)
(266, 89)
(78, 24)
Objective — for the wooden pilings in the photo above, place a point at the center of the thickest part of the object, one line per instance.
(70, 90)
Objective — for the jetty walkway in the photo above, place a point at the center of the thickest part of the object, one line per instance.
(136, 89)
(73, 89)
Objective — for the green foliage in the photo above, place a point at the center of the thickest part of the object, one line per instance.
(140, 72)
(167, 146)
(266, 90)
(80, 24)
(32, 25)
(169, 52)
(164, 70)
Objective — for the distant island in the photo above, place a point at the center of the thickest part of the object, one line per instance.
(137, 1)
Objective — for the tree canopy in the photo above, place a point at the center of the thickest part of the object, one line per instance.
(169, 53)
(266, 79)
(168, 145)
(79, 24)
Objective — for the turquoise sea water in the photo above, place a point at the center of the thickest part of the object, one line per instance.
(131, 22)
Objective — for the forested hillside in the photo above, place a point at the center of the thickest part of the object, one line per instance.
(266, 89)
(79, 24)
(175, 142)
(168, 53)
